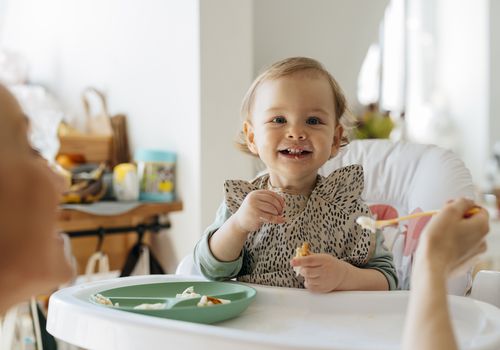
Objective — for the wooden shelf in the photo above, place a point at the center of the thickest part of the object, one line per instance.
(75, 220)
(115, 246)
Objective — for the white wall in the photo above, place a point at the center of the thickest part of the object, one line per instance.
(494, 22)
(336, 32)
(145, 56)
(226, 73)
(463, 75)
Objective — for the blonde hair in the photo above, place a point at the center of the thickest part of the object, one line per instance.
(287, 67)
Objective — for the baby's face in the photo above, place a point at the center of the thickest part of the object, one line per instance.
(293, 127)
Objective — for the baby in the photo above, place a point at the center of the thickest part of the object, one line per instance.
(294, 118)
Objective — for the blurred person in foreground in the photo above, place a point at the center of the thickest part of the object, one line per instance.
(32, 259)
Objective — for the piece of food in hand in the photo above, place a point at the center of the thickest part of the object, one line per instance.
(188, 293)
(304, 250)
(209, 301)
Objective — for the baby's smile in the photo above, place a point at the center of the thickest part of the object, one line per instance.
(295, 152)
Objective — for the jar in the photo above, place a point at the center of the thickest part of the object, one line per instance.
(156, 170)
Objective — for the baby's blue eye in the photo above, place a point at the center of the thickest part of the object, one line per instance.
(313, 121)
(279, 120)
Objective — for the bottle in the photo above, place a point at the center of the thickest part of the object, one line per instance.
(125, 182)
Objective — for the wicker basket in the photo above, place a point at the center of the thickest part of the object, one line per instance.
(95, 145)
(95, 148)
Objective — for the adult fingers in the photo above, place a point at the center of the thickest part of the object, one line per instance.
(467, 258)
(470, 232)
(478, 223)
(475, 250)
(460, 207)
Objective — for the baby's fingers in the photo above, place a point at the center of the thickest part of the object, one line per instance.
(266, 201)
(313, 260)
(309, 273)
(271, 219)
(274, 200)
(269, 208)
(315, 286)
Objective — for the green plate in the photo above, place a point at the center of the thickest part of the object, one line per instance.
(182, 309)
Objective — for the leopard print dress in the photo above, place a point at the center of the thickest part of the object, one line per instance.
(325, 219)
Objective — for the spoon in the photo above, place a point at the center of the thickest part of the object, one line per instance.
(371, 224)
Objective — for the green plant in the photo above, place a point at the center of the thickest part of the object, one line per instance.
(373, 124)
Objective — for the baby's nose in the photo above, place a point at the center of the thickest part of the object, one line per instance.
(296, 133)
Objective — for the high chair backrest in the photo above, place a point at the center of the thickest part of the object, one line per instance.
(408, 176)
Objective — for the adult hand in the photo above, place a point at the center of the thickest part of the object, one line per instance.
(322, 273)
(259, 207)
(450, 240)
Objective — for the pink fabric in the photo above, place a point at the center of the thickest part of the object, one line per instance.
(383, 211)
(415, 228)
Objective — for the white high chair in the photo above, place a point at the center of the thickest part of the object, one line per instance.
(408, 176)
(405, 176)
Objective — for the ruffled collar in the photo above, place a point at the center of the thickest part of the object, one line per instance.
(342, 188)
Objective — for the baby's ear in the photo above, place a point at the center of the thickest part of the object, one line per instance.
(337, 139)
(249, 137)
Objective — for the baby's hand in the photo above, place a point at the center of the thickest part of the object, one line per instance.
(259, 207)
(322, 273)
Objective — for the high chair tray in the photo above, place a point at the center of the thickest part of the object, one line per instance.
(162, 300)
(279, 318)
